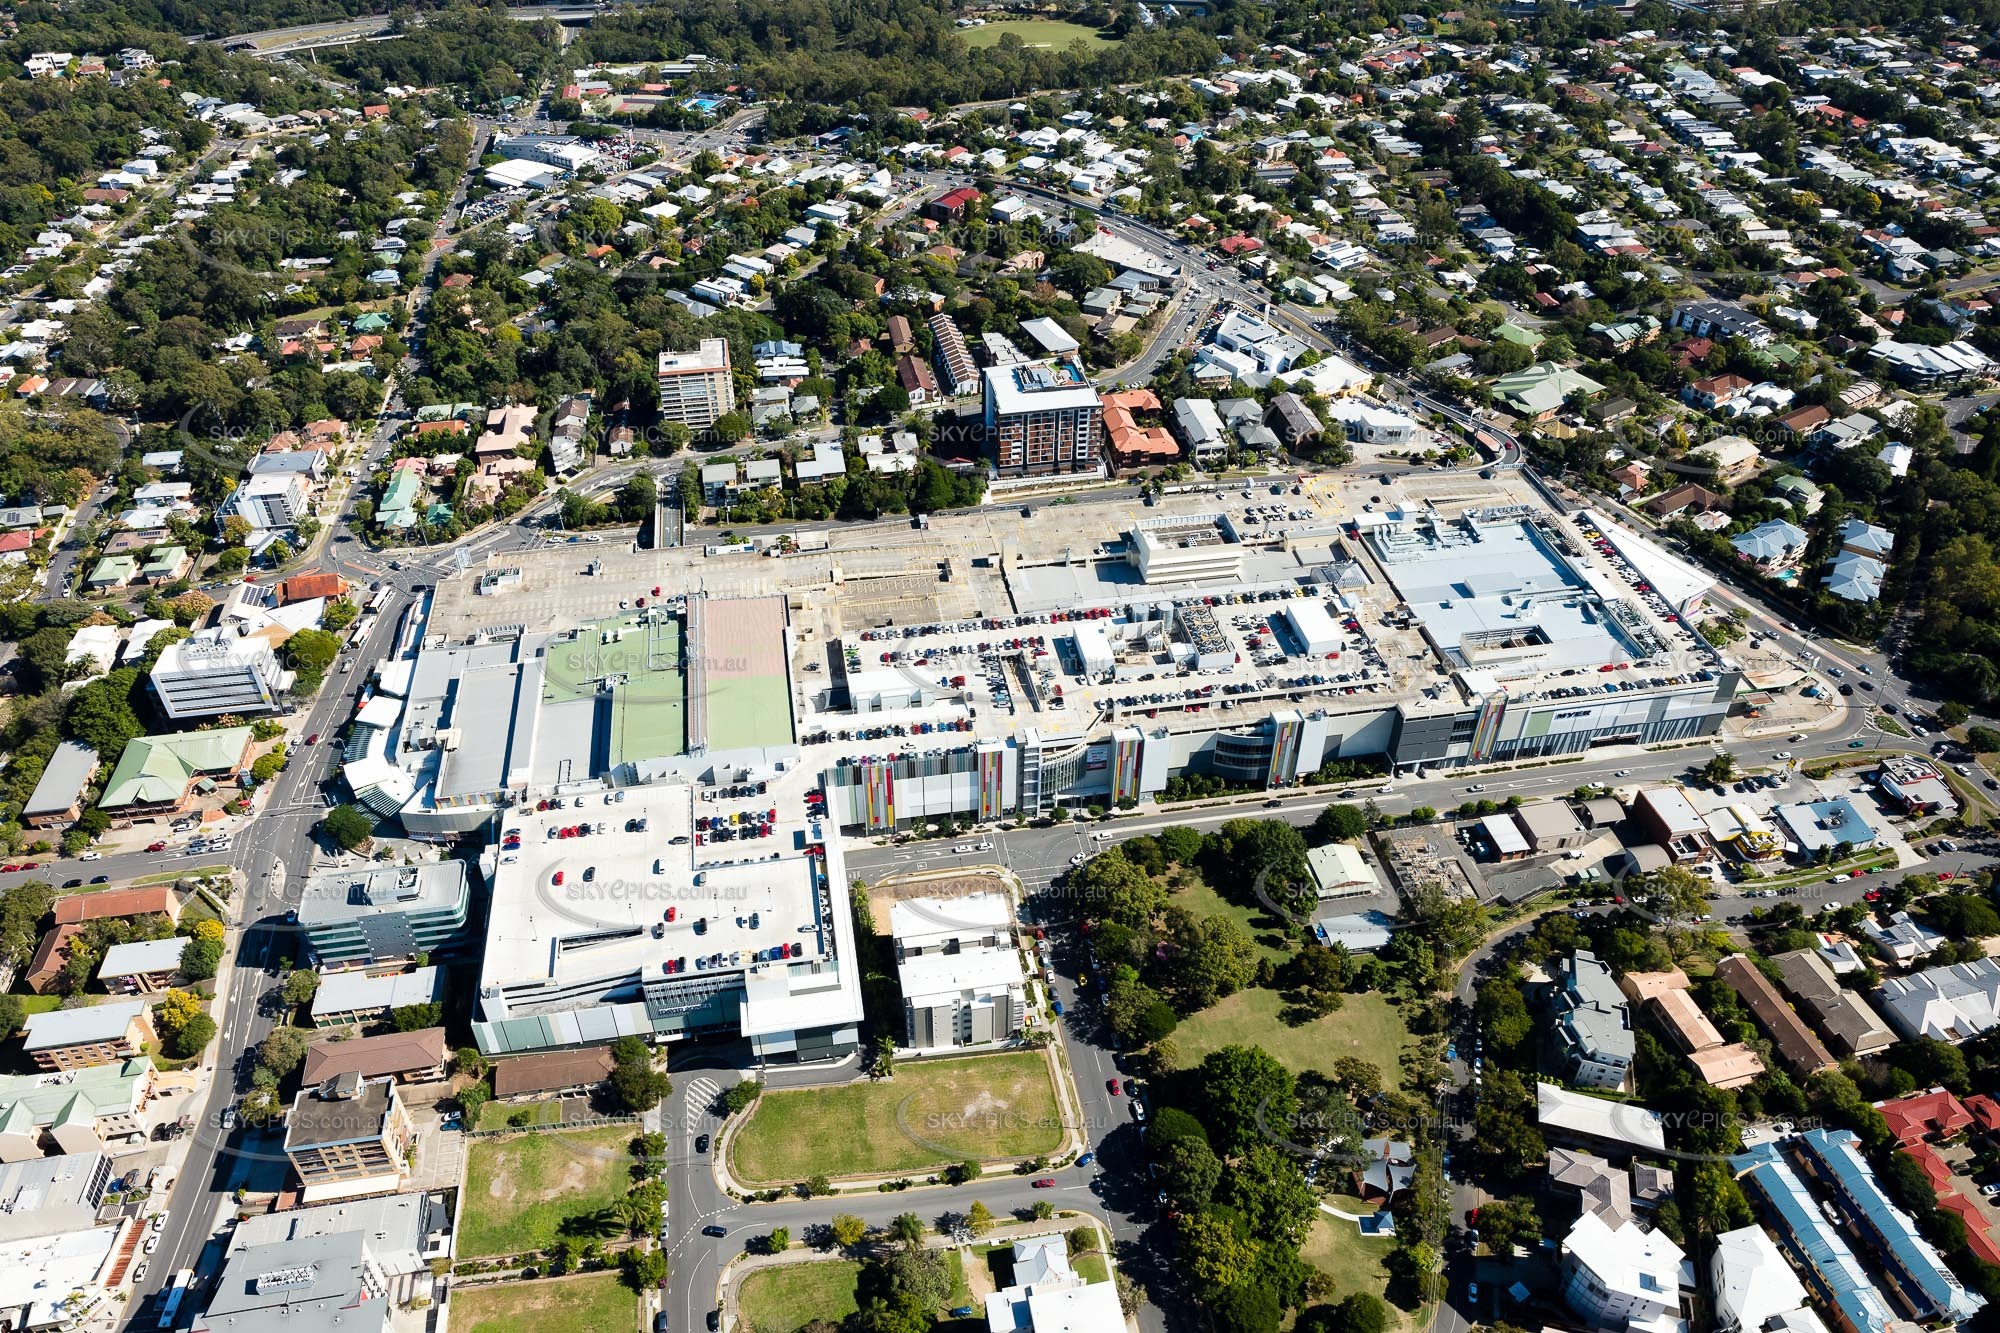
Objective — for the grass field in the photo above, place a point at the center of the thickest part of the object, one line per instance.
(1258, 923)
(597, 1303)
(779, 1300)
(1366, 1025)
(1035, 32)
(520, 1190)
(1354, 1262)
(929, 1114)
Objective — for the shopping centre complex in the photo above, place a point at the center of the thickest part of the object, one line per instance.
(874, 678)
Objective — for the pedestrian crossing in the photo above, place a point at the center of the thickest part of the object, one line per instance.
(701, 1094)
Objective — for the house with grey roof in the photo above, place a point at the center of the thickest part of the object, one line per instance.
(1773, 545)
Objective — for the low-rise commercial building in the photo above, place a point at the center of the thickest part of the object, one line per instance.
(141, 967)
(407, 1057)
(355, 998)
(158, 776)
(98, 1109)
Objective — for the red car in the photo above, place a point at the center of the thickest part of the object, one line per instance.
(8, 869)
(313, 739)
(558, 878)
(156, 847)
(1046, 1183)
(1112, 1085)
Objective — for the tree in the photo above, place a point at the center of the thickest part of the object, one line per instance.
(778, 1241)
(300, 987)
(1189, 1172)
(348, 826)
(740, 1095)
(979, 1218)
(13, 1014)
(816, 1186)
(1357, 1312)
(284, 1050)
(633, 1080)
(471, 1098)
(643, 1269)
(1720, 769)
(1213, 1252)
(908, 1229)
(1244, 1089)
(192, 1037)
(847, 1230)
(339, 614)
(200, 959)
(921, 1274)
(1985, 740)
(1338, 823)
(310, 652)
(415, 1017)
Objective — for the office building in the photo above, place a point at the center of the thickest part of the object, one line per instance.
(376, 914)
(1042, 417)
(695, 387)
(219, 671)
(267, 500)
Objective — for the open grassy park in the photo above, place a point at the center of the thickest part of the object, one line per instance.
(931, 1113)
(595, 1303)
(1035, 32)
(521, 1189)
(779, 1300)
(1365, 1025)
(1356, 1263)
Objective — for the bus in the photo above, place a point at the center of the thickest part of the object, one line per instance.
(172, 1295)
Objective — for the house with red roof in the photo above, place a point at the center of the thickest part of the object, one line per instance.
(1985, 1112)
(1925, 1116)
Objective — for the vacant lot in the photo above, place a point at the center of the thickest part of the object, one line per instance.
(596, 1303)
(929, 1114)
(521, 1189)
(1366, 1025)
(1035, 32)
(779, 1300)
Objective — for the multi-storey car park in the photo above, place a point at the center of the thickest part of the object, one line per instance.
(871, 678)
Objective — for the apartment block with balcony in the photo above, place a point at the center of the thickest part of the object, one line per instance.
(1042, 417)
(348, 1137)
(695, 387)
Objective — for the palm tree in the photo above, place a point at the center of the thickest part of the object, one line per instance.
(908, 1229)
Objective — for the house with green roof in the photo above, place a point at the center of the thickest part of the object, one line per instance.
(1540, 391)
(113, 571)
(399, 497)
(165, 564)
(372, 322)
(1515, 334)
(160, 775)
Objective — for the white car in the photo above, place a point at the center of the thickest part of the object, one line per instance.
(964, 847)
(1078, 859)
(99, 856)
